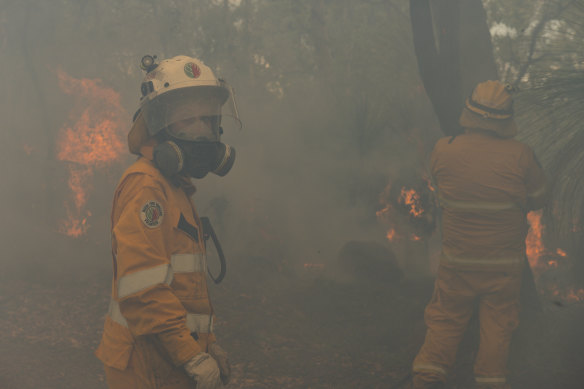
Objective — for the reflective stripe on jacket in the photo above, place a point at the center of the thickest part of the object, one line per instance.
(159, 285)
(486, 185)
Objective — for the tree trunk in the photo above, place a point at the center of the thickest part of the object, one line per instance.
(454, 52)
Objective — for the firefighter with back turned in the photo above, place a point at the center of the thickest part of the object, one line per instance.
(486, 183)
(158, 332)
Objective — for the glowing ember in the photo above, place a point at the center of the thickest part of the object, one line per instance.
(391, 234)
(574, 295)
(429, 184)
(552, 264)
(28, 149)
(384, 216)
(564, 295)
(92, 139)
(561, 252)
(411, 198)
(383, 213)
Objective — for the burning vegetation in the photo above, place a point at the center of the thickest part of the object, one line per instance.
(409, 212)
(547, 264)
(91, 139)
(411, 200)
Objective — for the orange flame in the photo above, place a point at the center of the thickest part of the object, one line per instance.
(534, 243)
(412, 199)
(91, 139)
(542, 260)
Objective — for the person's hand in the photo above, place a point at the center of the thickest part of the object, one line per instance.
(204, 370)
(220, 356)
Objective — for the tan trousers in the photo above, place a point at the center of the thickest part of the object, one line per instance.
(455, 295)
(148, 369)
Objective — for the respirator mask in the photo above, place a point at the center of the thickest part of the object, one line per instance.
(191, 142)
(193, 159)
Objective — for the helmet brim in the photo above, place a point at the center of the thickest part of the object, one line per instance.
(505, 128)
(138, 134)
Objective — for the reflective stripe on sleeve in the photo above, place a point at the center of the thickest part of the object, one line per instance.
(179, 263)
(187, 263)
(421, 367)
(477, 205)
(115, 313)
(481, 261)
(195, 322)
(490, 380)
(141, 280)
(200, 322)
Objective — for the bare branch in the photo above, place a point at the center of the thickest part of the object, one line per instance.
(535, 35)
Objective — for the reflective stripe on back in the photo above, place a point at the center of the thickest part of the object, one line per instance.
(490, 380)
(477, 205)
(481, 261)
(141, 280)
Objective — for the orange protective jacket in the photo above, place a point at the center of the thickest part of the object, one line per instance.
(159, 289)
(486, 185)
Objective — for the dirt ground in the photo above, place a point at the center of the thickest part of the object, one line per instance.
(284, 328)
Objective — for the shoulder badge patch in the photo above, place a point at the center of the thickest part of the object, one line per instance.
(152, 214)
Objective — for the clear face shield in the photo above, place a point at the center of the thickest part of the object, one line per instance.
(198, 114)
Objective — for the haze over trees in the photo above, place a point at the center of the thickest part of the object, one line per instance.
(329, 93)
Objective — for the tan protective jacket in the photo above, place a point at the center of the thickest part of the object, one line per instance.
(159, 283)
(486, 186)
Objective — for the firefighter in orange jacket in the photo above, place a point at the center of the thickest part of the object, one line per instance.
(158, 332)
(486, 183)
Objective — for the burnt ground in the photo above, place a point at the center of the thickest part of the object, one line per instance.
(283, 327)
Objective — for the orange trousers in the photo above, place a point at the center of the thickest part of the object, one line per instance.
(148, 369)
(455, 294)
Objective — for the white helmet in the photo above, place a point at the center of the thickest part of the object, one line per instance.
(180, 81)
